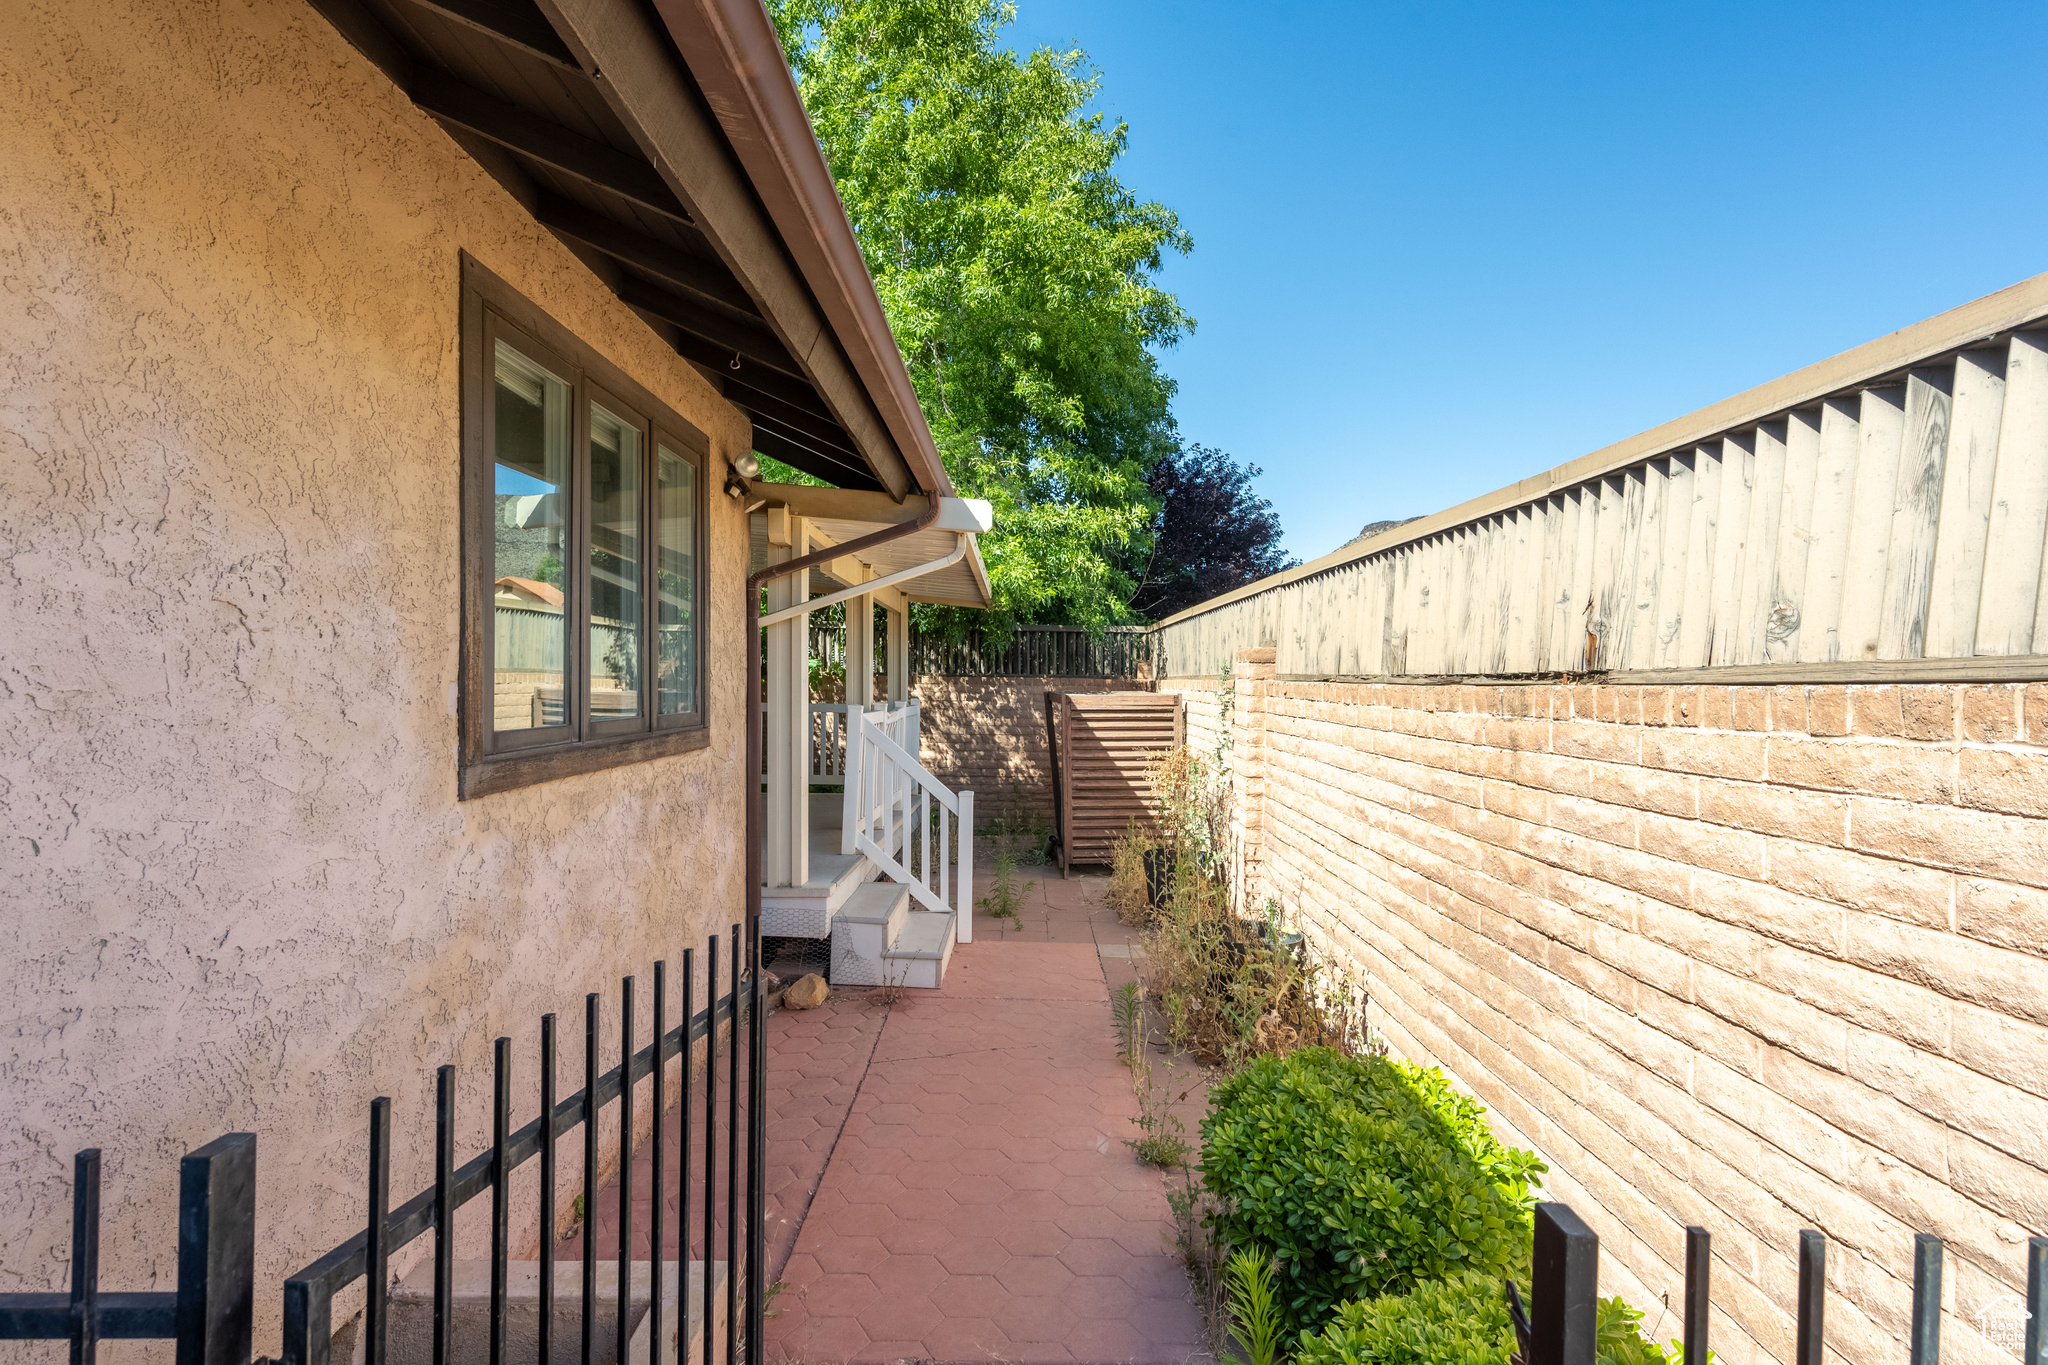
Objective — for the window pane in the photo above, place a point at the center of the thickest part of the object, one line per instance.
(614, 566)
(676, 582)
(529, 627)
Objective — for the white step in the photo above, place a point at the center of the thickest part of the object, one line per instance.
(878, 940)
(863, 929)
(806, 911)
(922, 950)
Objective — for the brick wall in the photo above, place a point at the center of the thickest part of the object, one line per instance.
(1754, 958)
(987, 735)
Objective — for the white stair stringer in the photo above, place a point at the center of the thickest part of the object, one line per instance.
(878, 940)
(908, 824)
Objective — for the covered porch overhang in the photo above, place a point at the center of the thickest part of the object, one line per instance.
(803, 853)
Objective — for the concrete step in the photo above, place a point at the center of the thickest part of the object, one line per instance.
(806, 911)
(921, 951)
(862, 931)
(410, 1335)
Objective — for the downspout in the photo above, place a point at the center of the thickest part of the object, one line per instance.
(757, 1079)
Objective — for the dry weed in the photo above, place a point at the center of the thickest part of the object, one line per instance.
(1127, 894)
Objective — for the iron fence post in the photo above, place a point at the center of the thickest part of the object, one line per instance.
(2037, 1302)
(1926, 1341)
(85, 1257)
(1563, 1288)
(216, 1311)
(1813, 1296)
(1698, 1264)
(757, 1156)
(376, 1247)
(444, 1215)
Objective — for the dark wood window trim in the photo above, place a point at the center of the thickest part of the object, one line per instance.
(487, 762)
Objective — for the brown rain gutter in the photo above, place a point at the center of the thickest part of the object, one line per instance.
(736, 58)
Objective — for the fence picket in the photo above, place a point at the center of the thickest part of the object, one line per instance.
(1916, 515)
(1690, 645)
(1828, 549)
(1760, 543)
(1881, 419)
(1976, 399)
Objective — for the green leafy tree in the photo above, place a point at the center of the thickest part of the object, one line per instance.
(1019, 275)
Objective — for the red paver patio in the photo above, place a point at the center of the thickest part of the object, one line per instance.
(947, 1178)
(980, 1203)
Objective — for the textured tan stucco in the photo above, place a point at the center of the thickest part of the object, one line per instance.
(240, 891)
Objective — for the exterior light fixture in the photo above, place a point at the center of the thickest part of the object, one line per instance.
(737, 472)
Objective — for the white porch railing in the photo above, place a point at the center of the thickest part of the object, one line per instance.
(903, 820)
(827, 740)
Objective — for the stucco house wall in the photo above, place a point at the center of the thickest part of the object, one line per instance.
(240, 891)
(1755, 958)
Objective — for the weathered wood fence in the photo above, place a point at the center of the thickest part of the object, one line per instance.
(1889, 504)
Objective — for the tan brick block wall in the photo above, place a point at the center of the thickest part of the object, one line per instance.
(1758, 958)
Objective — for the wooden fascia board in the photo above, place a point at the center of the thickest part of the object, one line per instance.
(980, 572)
(2010, 308)
(650, 97)
(736, 58)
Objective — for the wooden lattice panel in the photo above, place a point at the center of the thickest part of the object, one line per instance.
(1105, 742)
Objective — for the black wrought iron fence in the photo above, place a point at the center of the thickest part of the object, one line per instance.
(209, 1315)
(1032, 652)
(1036, 652)
(309, 1295)
(1560, 1325)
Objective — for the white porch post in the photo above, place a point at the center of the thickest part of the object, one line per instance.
(899, 651)
(851, 795)
(963, 915)
(860, 648)
(785, 859)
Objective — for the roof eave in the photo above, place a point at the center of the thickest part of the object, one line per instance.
(736, 58)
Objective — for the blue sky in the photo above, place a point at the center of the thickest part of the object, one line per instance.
(1440, 248)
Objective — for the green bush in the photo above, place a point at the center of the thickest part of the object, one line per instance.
(1460, 1321)
(1366, 1177)
(1619, 1339)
